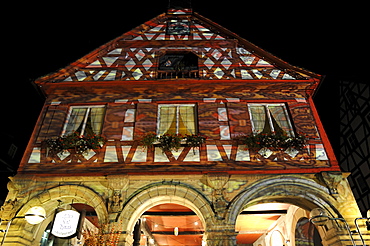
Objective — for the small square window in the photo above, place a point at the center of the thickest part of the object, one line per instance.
(178, 27)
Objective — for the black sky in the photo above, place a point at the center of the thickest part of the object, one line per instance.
(38, 38)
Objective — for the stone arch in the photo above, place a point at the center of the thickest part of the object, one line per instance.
(48, 199)
(165, 193)
(302, 192)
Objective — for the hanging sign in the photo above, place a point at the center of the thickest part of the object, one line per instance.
(65, 223)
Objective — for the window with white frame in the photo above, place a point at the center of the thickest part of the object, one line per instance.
(270, 118)
(176, 119)
(84, 120)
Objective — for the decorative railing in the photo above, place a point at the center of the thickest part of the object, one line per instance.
(172, 74)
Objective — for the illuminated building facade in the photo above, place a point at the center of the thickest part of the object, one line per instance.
(208, 140)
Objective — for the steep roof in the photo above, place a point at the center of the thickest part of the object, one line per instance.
(222, 54)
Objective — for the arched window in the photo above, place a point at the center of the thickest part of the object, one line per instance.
(176, 65)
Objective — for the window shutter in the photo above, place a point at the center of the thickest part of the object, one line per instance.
(303, 119)
(115, 121)
(146, 118)
(209, 124)
(238, 119)
(52, 123)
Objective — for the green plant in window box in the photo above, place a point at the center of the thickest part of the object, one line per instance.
(80, 144)
(169, 142)
(272, 141)
(148, 140)
(194, 141)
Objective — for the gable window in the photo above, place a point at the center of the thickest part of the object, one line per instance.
(176, 119)
(84, 120)
(178, 27)
(178, 65)
(270, 118)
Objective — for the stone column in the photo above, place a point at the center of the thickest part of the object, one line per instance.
(126, 239)
(221, 235)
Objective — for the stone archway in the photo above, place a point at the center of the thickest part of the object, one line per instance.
(301, 192)
(50, 199)
(160, 194)
(298, 191)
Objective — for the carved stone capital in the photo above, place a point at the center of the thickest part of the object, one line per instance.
(331, 181)
(216, 181)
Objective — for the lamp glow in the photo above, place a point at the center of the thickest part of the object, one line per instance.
(35, 215)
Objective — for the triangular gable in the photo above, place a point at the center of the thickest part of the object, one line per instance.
(134, 55)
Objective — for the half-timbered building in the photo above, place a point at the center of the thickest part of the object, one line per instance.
(180, 132)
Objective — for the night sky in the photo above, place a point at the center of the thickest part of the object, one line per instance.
(39, 38)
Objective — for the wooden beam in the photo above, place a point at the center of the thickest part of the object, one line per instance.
(190, 213)
(181, 233)
(263, 212)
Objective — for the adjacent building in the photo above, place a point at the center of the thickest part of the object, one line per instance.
(355, 138)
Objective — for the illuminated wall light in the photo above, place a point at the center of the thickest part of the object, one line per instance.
(155, 225)
(176, 231)
(196, 223)
(35, 215)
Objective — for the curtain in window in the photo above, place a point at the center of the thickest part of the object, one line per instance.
(176, 119)
(258, 116)
(96, 118)
(76, 120)
(186, 120)
(167, 122)
(270, 118)
(85, 121)
(279, 119)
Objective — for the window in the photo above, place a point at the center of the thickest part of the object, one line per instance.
(270, 118)
(84, 120)
(178, 27)
(176, 119)
(178, 65)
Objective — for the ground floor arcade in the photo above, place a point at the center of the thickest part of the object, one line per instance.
(208, 209)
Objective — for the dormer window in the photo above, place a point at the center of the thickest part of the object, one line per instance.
(178, 65)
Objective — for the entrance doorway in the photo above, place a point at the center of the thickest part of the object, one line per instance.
(90, 222)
